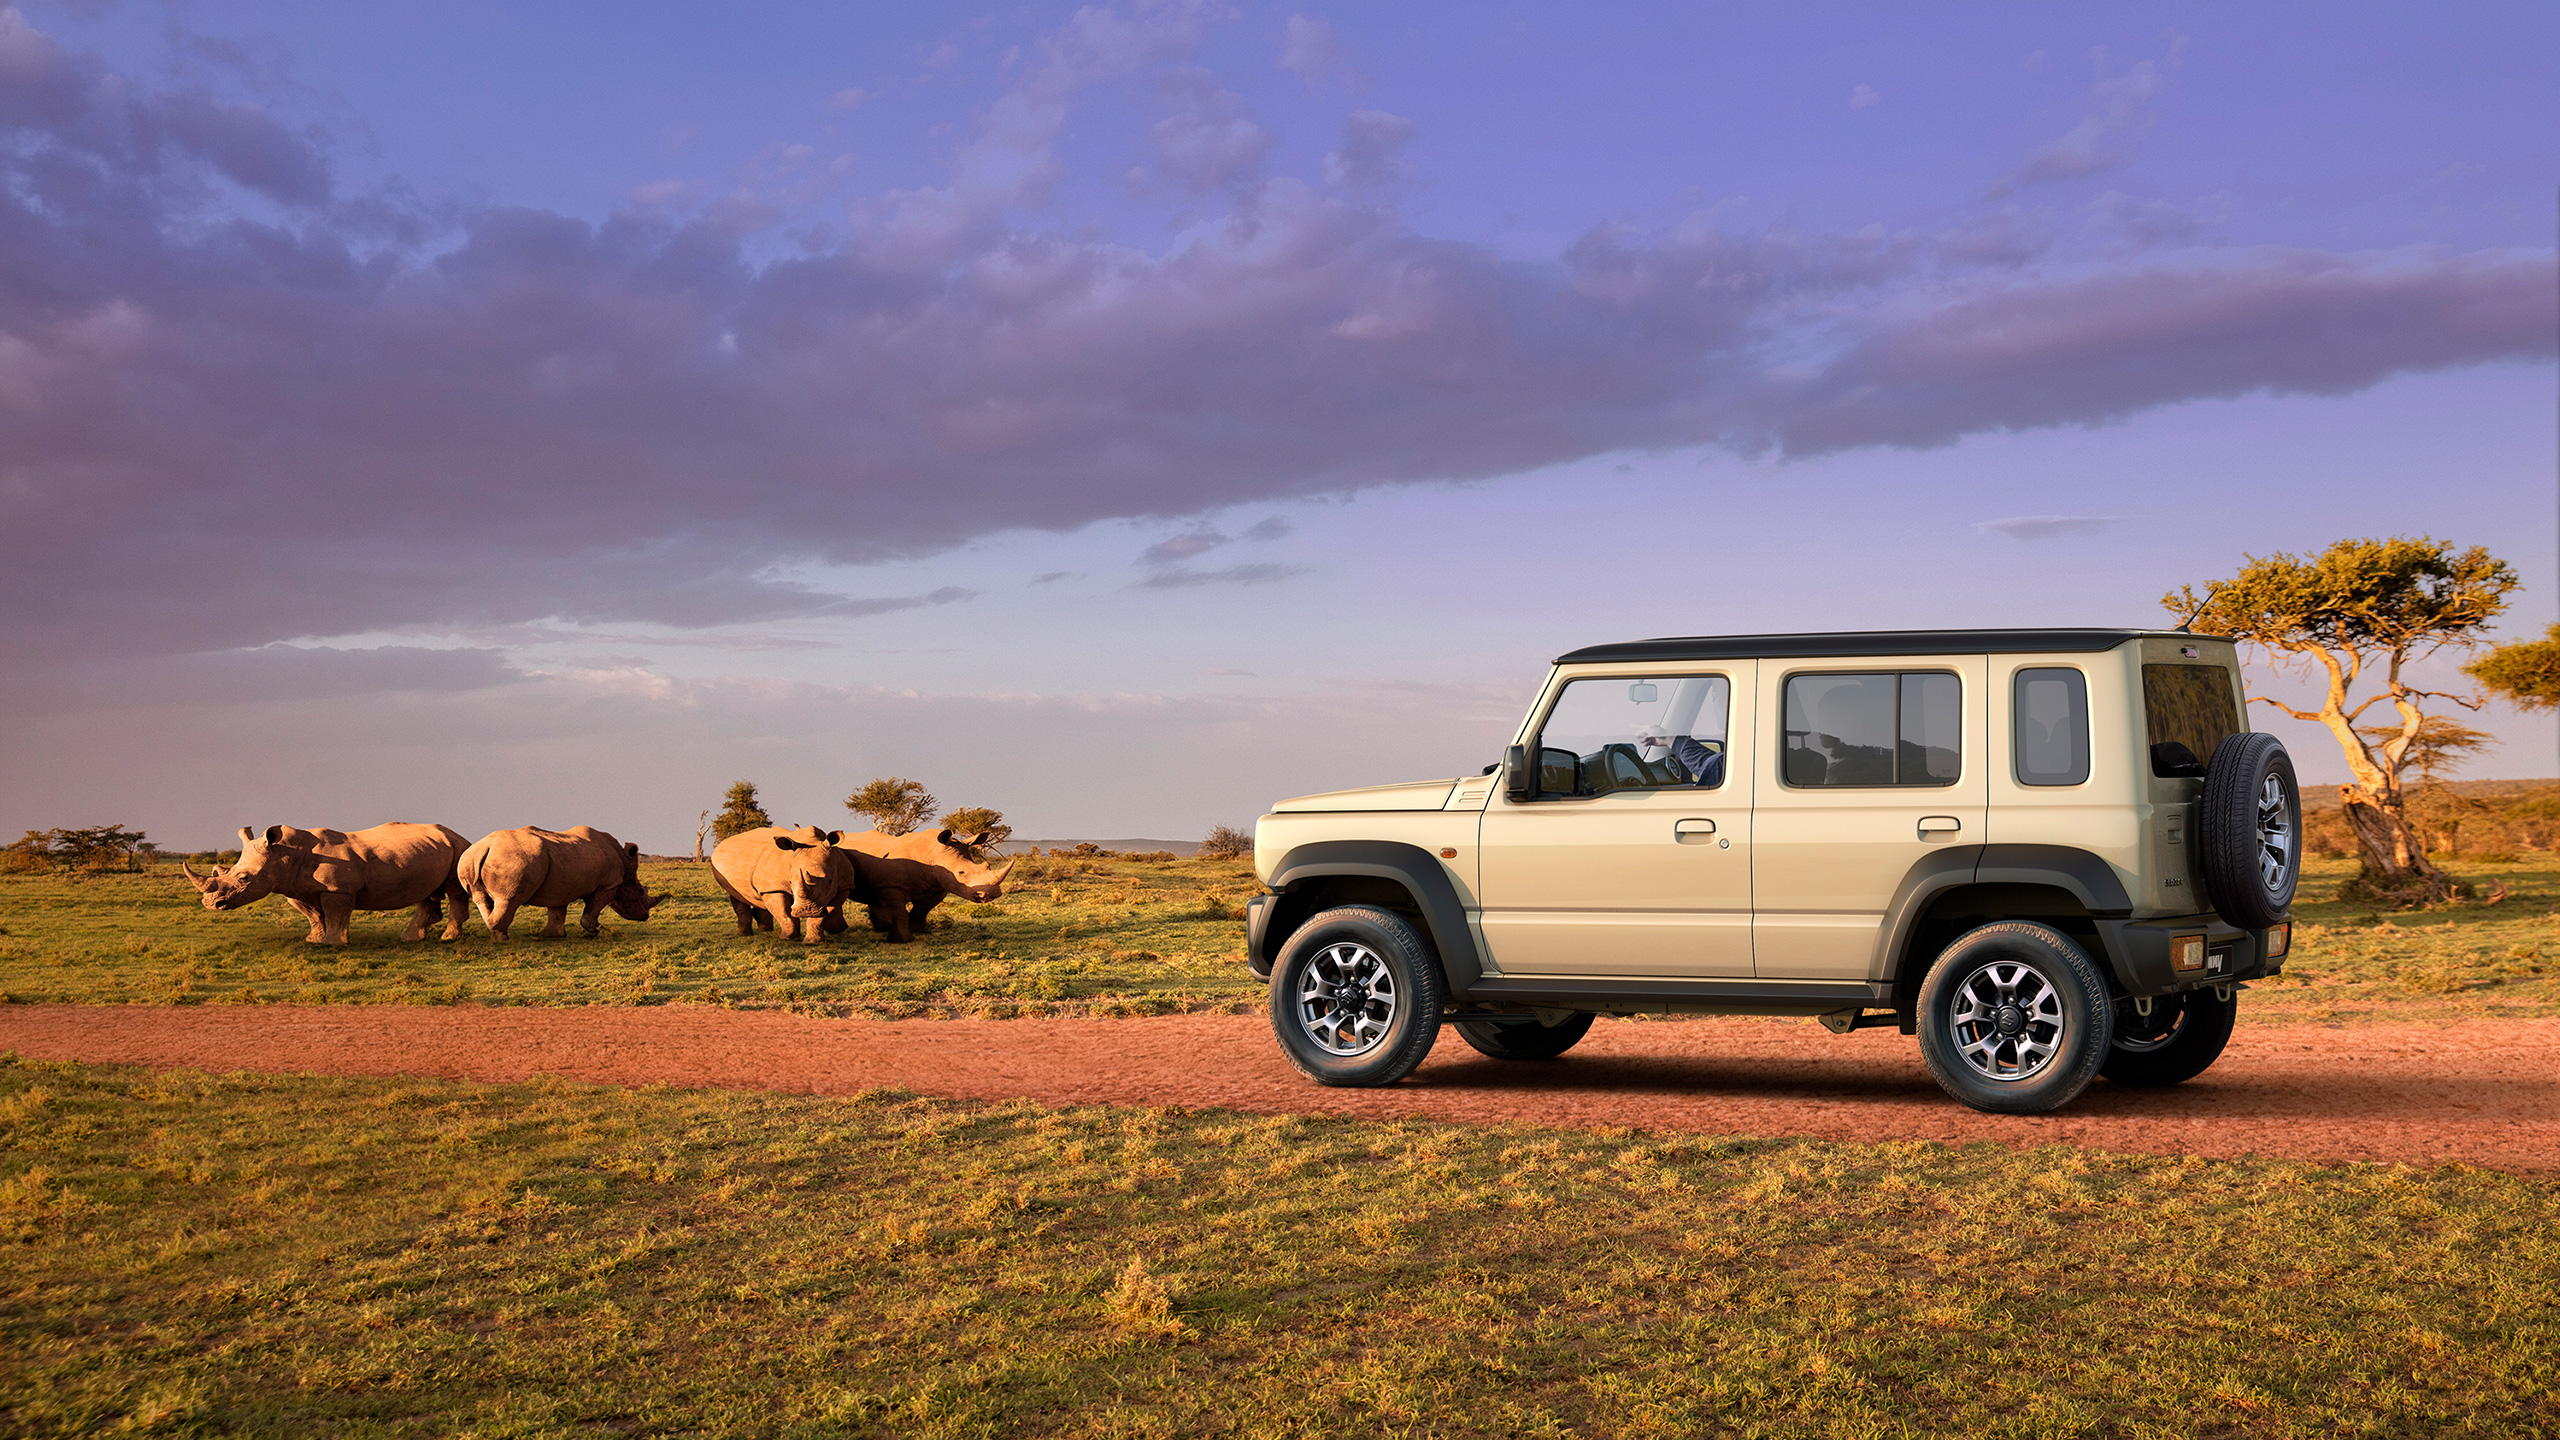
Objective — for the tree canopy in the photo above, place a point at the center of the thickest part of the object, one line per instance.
(740, 812)
(979, 820)
(894, 805)
(2525, 674)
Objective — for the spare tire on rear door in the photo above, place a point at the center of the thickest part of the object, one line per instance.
(2249, 830)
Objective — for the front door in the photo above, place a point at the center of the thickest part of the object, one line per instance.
(1636, 861)
(1871, 769)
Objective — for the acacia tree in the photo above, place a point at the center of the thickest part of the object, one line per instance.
(894, 805)
(979, 820)
(740, 812)
(2354, 608)
(2525, 674)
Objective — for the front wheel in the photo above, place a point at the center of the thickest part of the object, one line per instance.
(2178, 1041)
(2014, 1019)
(1524, 1039)
(1356, 997)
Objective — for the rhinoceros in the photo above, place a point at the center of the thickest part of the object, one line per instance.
(329, 875)
(780, 878)
(535, 869)
(965, 856)
(901, 893)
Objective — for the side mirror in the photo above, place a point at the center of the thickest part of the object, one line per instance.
(1559, 772)
(1515, 772)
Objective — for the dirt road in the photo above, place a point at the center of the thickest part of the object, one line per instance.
(2484, 1092)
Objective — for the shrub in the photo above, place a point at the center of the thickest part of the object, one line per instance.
(1226, 842)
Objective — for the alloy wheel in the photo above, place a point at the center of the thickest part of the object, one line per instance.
(2008, 1020)
(1347, 998)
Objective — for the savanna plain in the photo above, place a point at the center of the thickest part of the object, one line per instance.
(281, 1254)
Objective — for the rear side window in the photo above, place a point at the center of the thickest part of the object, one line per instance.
(2050, 718)
(1894, 728)
(2190, 711)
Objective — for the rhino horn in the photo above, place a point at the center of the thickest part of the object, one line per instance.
(198, 881)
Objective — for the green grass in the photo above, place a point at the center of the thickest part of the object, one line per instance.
(1109, 937)
(2462, 961)
(295, 1255)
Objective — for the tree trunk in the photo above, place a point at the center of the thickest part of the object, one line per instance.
(2396, 868)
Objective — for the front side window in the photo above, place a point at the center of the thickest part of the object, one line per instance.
(2190, 712)
(1893, 728)
(1621, 733)
(2050, 716)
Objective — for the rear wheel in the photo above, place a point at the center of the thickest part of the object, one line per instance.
(2178, 1041)
(1356, 997)
(1524, 1039)
(2014, 1019)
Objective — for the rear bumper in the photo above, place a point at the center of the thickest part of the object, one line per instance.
(2138, 951)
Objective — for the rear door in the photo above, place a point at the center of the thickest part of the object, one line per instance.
(1629, 867)
(1873, 766)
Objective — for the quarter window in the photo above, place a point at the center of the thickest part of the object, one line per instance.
(2049, 718)
(1892, 728)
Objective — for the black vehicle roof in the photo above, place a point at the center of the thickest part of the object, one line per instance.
(1860, 642)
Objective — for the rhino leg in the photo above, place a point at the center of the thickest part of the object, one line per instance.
(834, 923)
(335, 917)
(499, 915)
(595, 907)
(457, 911)
(556, 921)
(428, 913)
(746, 915)
(777, 916)
(319, 927)
(920, 914)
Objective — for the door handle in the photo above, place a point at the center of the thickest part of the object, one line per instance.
(1939, 825)
(1687, 831)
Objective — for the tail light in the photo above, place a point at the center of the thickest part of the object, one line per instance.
(2186, 952)
(2280, 941)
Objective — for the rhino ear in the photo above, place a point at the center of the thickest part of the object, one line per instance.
(834, 835)
(631, 861)
(247, 836)
(943, 837)
(274, 833)
(785, 842)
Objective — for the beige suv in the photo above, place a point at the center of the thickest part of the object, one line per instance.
(2051, 854)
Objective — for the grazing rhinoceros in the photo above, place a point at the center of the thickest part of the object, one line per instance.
(329, 875)
(534, 869)
(965, 856)
(901, 893)
(779, 878)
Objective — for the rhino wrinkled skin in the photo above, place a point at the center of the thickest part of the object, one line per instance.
(550, 870)
(904, 876)
(791, 881)
(328, 875)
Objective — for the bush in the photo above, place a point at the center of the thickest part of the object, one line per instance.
(1226, 842)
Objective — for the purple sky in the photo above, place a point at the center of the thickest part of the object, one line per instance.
(1123, 416)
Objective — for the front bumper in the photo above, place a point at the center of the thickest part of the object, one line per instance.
(1257, 924)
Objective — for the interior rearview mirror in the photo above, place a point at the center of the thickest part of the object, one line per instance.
(1642, 693)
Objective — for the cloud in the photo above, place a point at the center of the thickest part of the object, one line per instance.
(1181, 547)
(1311, 50)
(1205, 140)
(1179, 578)
(2117, 106)
(1863, 96)
(2008, 236)
(845, 100)
(1372, 150)
(378, 416)
(1272, 528)
(2047, 527)
(1053, 577)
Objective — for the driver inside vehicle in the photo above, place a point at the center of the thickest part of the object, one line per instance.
(1699, 765)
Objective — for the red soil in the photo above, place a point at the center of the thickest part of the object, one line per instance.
(2486, 1092)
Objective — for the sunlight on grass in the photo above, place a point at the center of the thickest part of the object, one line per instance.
(295, 1255)
(1106, 937)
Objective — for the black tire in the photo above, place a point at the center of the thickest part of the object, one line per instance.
(1356, 997)
(1524, 1039)
(2178, 1041)
(2249, 831)
(2014, 1019)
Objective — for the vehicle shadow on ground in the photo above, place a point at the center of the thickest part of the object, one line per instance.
(2325, 1090)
